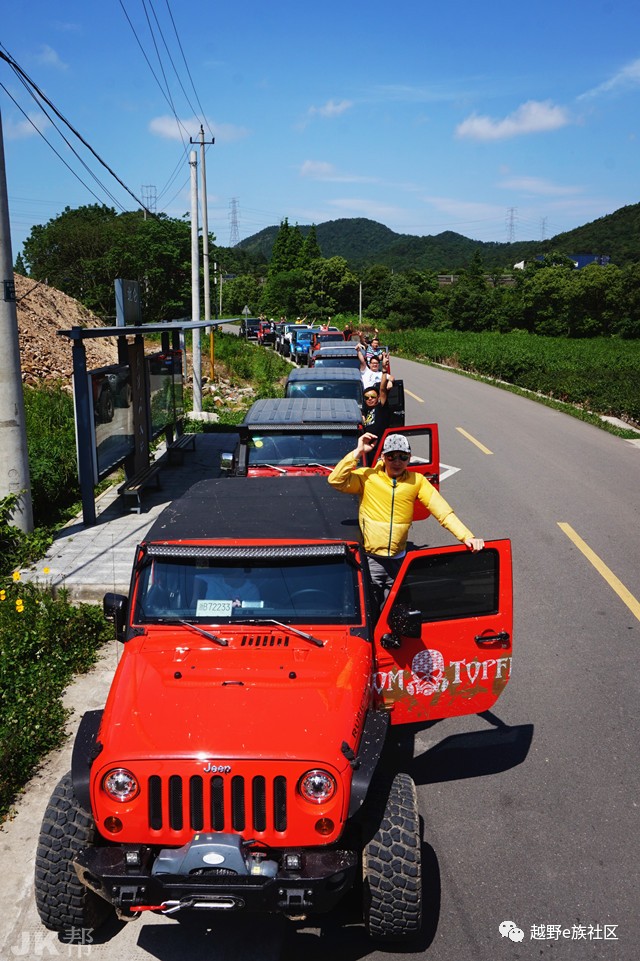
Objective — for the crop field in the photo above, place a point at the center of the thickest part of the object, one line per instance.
(600, 374)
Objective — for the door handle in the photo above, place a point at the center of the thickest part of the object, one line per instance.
(501, 639)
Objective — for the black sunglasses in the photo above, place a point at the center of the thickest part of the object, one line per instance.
(397, 455)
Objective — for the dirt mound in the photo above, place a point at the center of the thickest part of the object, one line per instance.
(44, 354)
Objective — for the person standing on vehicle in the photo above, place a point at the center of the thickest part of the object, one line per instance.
(371, 371)
(376, 415)
(387, 493)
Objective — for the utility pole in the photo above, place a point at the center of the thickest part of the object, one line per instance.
(205, 240)
(195, 285)
(14, 472)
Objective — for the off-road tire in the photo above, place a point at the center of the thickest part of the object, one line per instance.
(391, 868)
(106, 406)
(63, 902)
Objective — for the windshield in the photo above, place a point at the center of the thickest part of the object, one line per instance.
(295, 590)
(347, 389)
(351, 360)
(291, 450)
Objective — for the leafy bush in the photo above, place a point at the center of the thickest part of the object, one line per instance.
(51, 446)
(17, 548)
(246, 364)
(44, 641)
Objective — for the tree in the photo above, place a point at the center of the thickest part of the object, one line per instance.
(240, 292)
(20, 267)
(83, 251)
(333, 288)
(310, 248)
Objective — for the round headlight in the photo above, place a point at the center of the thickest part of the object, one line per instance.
(120, 785)
(317, 786)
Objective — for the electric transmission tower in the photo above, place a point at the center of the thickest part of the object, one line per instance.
(511, 224)
(543, 229)
(149, 198)
(234, 233)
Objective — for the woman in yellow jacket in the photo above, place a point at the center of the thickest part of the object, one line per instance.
(387, 493)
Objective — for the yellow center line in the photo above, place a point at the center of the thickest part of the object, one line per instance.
(415, 397)
(484, 449)
(625, 596)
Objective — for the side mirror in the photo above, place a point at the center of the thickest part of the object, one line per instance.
(404, 622)
(226, 461)
(115, 608)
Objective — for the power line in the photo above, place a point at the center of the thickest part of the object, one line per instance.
(175, 30)
(49, 144)
(16, 67)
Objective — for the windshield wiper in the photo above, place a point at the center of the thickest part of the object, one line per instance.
(272, 467)
(285, 627)
(324, 466)
(201, 630)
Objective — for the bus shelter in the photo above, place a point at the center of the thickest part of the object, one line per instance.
(121, 409)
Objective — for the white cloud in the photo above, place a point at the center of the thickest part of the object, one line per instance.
(538, 185)
(168, 128)
(331, 108)
(321, 170)
(625, 79)
(23, 129)
(47, 57)
(531, 117)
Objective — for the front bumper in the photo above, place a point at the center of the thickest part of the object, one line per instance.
(124, 877)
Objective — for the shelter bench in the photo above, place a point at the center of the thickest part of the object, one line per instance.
(176, 449)
(131, 490)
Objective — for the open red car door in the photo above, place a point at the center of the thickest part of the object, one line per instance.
(425, 456)
(443, 640)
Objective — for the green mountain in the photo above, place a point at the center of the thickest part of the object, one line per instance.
(364, 242)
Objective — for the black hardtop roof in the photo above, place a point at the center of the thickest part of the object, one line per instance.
(324, 373)
(303, 412)
(280, 508)
(345, 351)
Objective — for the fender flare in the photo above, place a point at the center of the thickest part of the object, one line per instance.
(86, 748)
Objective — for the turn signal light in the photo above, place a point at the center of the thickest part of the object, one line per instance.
(325, 826)
(113, 825)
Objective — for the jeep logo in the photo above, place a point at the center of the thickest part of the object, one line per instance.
(217, 768)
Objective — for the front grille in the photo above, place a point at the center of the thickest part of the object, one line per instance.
(216, 803)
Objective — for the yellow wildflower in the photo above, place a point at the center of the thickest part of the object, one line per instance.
(19, 605)
(16, 575)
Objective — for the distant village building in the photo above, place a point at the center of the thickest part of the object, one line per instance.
(579, 260)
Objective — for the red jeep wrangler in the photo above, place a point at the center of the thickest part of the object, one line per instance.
(239, 762)
(280, 437)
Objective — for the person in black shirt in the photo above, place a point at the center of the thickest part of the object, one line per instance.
(376, 415)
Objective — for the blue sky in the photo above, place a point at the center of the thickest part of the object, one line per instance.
(496, 120)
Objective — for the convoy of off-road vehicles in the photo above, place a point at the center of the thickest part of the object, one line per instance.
(244, 759)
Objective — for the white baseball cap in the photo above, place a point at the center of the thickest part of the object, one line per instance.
(396, 442)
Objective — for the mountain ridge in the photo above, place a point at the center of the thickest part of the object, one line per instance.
(365, 242)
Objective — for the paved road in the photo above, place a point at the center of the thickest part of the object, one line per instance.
(531, 813)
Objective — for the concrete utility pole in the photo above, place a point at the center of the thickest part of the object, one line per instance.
(14, 463)
(195, 285)
(205, 240)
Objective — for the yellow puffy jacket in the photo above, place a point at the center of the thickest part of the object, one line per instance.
(386, 505)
